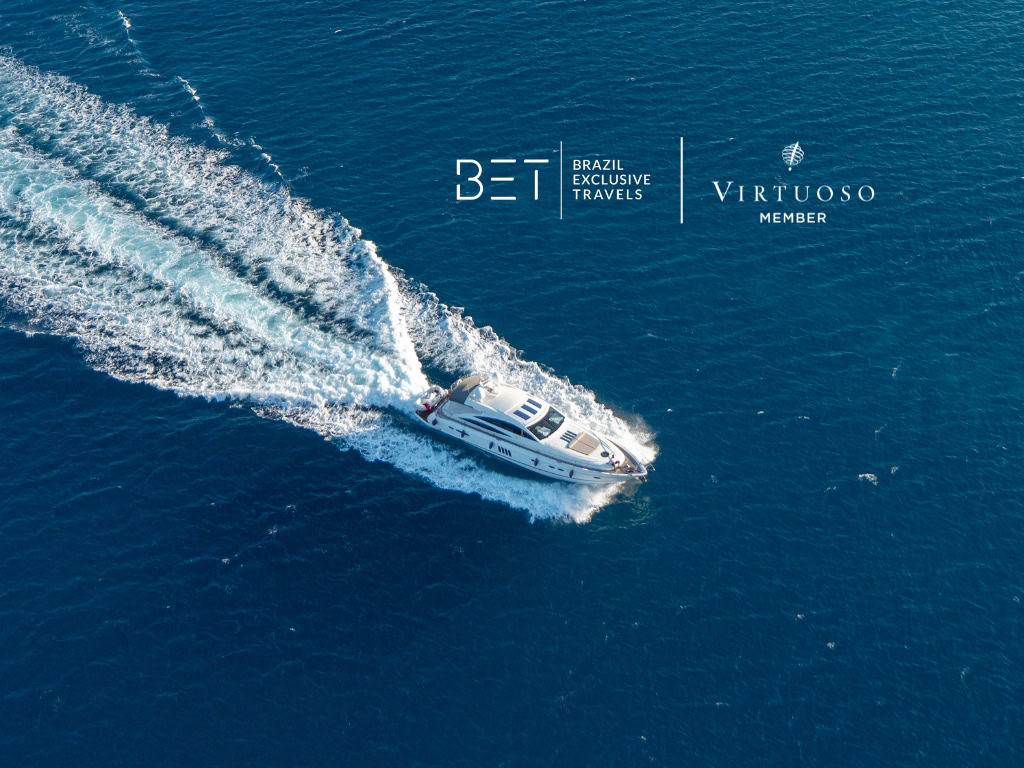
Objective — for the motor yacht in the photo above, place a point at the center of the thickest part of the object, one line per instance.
(522, 429)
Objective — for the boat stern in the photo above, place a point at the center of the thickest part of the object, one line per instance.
(430, 401)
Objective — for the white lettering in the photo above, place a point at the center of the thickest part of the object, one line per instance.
(474, 179)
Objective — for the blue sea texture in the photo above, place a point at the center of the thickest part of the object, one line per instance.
(232, 253)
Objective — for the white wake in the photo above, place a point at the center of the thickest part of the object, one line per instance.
(171, 267)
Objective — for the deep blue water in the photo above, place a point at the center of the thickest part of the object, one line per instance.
(825, 567)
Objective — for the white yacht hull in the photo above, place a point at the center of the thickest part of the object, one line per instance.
(509, 451)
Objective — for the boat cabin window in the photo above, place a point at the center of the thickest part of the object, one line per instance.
(550, 422)
(484, 426)
(507, 427)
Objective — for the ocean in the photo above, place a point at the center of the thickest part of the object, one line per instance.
(789, 273)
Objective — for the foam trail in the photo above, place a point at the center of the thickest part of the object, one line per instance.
(142, 61)
(94, 33)
(207, 120)
(292, 247)
(49, 202)
(172, 268)
(146, 69)
(189, 89)
(267, 158)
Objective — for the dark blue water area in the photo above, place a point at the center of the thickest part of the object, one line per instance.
(825, 567)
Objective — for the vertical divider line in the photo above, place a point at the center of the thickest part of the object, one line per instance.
(680, 179)
(559, 180)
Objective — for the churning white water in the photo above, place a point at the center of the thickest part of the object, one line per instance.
(171, 267)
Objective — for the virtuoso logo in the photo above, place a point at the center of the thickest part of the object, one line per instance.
(792, 155)
(781, 196)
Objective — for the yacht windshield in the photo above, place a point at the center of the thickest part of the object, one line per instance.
(551, 421)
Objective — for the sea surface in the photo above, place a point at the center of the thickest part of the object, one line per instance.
(231, 255)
